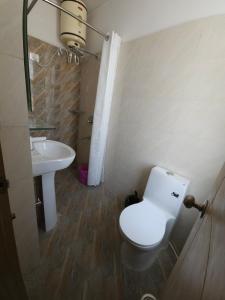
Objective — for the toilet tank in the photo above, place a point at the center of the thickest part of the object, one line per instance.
(166, 190)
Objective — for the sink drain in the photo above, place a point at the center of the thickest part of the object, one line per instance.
(148, 297)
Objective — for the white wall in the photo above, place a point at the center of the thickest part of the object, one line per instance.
(43, 23)
(169, 110)
(132, 19)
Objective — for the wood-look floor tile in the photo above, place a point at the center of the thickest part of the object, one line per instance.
(82, 258)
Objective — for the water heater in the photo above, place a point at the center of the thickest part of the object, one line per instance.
(73, 32)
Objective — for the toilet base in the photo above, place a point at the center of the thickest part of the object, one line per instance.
(139, 259)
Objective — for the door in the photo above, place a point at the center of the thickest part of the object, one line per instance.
(199, 273)
(11, 282)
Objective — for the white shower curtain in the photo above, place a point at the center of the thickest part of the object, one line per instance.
(109, 60)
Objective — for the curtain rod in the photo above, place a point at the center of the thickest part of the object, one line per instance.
(106, 37)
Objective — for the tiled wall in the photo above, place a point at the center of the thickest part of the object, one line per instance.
(55, 93)
(168, 110)
(89, 80)
(14, 134)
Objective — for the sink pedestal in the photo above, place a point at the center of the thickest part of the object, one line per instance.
(49, 200)
(47, 158)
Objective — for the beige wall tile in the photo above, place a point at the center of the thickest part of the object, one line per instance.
(13, 103)
(171, 111)
(17, 162)
(16, 153)
(21, 196)
(11, 28)
(14, 134)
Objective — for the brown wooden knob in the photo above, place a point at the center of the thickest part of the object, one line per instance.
(189, 202)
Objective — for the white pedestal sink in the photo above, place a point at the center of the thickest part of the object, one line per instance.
(47, 158)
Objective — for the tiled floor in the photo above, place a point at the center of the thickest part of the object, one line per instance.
(85, 258)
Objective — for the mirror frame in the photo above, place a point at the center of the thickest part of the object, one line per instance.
(26, 56)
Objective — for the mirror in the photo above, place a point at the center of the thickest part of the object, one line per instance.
(36, 122)
(43, 62)
(26, 56)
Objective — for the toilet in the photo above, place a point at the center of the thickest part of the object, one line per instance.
(149, 223)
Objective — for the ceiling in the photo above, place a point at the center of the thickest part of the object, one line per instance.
(93, 4)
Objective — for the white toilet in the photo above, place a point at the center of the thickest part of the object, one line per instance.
(148, 223)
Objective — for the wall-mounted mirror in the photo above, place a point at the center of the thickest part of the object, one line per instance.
(26, 56)
(43, 57)
(37, 121)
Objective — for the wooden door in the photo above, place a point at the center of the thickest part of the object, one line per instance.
(11, 282)
(199, 273)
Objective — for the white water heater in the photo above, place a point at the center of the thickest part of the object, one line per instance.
(73, 32)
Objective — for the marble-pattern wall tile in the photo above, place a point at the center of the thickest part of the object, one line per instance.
(89, 80)
(55, 93)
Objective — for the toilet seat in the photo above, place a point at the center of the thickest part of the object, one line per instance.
(144, 224)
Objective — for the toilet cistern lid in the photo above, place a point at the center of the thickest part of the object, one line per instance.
(143, 223)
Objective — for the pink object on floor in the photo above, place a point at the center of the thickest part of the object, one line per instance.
(83, 173)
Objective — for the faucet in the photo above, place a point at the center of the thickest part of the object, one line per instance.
(35, 140)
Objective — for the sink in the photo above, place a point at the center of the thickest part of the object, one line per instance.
(50, 156)
(47, 158)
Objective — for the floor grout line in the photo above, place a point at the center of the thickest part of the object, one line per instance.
(82, 258)
(62, 275)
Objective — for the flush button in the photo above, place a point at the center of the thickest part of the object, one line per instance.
(175, 195)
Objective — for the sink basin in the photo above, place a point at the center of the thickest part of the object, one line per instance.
(50, 156)
(47, 158)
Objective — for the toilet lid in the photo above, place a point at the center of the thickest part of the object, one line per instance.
(143, 223)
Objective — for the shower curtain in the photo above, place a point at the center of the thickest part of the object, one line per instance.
(109, 60)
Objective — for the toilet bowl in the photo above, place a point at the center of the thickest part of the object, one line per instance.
(147, 224)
